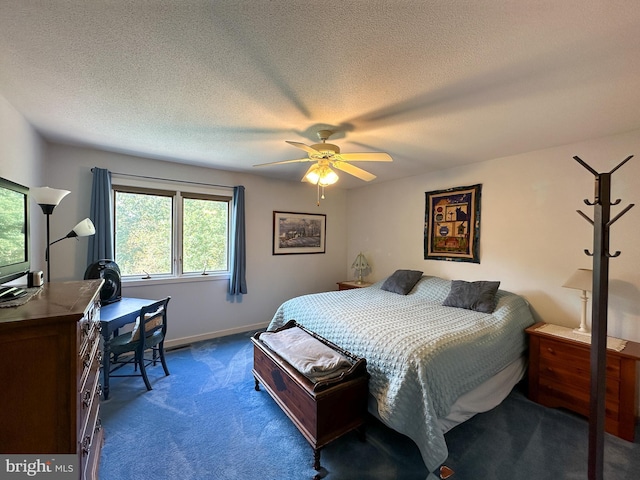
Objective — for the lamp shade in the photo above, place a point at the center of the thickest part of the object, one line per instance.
(48, 196)
(321, 175)
(84, 228)
(582, 279)
(360, 263)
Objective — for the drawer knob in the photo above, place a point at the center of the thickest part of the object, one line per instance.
(86, 445)
(87, 360)
(86, 398)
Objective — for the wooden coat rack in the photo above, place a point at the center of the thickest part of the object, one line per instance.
(601, 223)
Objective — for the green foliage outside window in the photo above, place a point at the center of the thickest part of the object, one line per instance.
(205, 233)
(12, 248)
(144, 233)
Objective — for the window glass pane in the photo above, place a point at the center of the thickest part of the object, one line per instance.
(143, 233)
(205, 234)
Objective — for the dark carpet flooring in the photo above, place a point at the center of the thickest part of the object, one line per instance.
(206, 421)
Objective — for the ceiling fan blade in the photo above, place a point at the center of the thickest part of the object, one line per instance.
(298, 160)
(304, 147)
(352, 170)
(365, 157)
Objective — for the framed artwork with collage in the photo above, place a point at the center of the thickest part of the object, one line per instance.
(452, 224)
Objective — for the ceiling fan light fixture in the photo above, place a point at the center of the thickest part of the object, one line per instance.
(321, 175)
(326, 149)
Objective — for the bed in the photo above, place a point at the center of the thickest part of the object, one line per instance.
(432, 366)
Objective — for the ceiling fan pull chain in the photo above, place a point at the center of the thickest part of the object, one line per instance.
(318, 198)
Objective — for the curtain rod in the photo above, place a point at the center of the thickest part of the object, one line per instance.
(168, 179)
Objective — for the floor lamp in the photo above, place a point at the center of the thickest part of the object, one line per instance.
(48, 199)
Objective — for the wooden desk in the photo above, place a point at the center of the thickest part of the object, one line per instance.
(112, 317)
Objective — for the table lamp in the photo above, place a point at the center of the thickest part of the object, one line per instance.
(360, 264)
(582, 279)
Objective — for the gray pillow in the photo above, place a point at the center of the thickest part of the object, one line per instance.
(402, 281)
(479, 296)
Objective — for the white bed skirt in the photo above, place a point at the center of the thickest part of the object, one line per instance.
(486, 396)
(483, 398)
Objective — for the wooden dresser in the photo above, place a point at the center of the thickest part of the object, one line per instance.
(559, 376)
(50, 361)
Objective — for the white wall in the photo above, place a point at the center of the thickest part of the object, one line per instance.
(21, 150)
(532, 239)
(202, 309)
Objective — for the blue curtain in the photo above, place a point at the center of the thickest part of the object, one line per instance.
(101, 214)
(238, 280)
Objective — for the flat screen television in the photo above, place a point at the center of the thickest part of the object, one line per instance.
(14, 231)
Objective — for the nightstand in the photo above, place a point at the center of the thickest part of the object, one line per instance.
(351, 284)
(559, 376)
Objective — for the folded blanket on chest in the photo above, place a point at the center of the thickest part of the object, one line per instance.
(306, 354)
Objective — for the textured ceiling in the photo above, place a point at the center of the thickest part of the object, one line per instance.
(225, 83)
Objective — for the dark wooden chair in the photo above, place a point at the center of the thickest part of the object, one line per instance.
(153, 322)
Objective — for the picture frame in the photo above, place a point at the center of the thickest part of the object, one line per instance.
(452, 224)
(296, 233)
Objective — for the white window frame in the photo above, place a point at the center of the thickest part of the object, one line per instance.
(177, 189)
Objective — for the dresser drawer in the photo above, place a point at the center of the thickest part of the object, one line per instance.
(565, 373)
(90, 387)
(90, 438)
(88, 358)
(558, 393)
(89, 327)
(573, 359)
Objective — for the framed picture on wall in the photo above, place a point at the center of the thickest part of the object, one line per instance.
(452, 224)
(298, 233)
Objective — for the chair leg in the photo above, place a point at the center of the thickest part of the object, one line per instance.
(143, 371)
(164, 363)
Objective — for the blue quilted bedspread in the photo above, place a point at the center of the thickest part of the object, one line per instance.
(421, 356)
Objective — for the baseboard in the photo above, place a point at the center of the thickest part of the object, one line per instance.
(178, 342)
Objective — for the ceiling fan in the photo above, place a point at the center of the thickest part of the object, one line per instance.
(327, 155)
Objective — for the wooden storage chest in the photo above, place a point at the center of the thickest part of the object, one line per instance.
(322, 411)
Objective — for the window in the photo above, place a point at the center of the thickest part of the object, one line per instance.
(170, 233)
